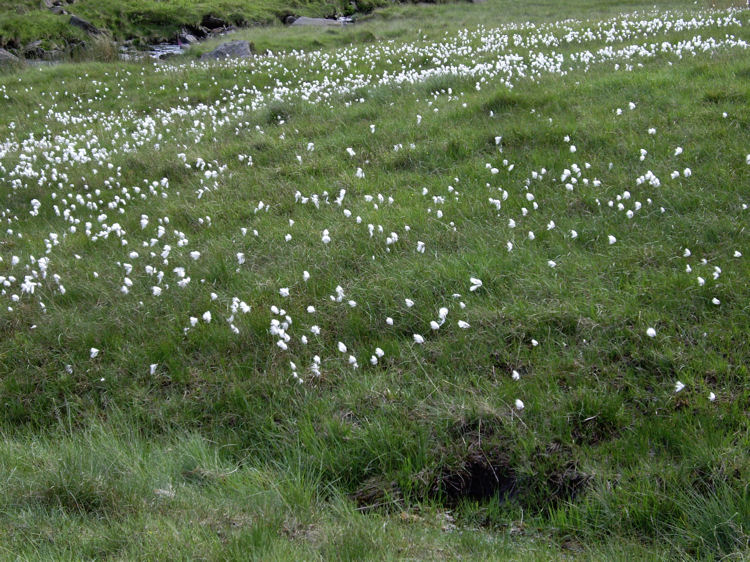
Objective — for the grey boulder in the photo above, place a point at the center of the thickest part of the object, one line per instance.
(7, 58)
(319, 22)
(187, 38)
(230, 50)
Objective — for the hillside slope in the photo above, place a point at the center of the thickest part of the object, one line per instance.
(477, 292)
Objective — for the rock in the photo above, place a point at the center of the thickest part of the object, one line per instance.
(34, 50)
(320, 22)
(83, 24)
(230, 50)
(54, 55)
(198, 31)
(187, 38)
(289, 20)
(212, 22)
(7, 58)
(58, 10)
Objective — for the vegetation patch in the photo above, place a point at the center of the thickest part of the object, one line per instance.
(474, 288)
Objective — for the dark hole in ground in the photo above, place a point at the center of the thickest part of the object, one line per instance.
(480, 477)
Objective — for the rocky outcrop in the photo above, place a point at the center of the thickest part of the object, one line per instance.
(186, 38)
(230, 50)
(212, 22)
(34, 50)
(7, 59)
(86, 26)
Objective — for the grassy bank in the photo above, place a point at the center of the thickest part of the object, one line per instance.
(588, 398)
(150, 21)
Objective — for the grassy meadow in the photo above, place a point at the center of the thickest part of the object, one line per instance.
(454, 282)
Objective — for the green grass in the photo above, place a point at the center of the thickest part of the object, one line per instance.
(149, 21)
(220, 454)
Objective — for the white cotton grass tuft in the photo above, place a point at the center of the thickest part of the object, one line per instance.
(418, 338)
(678, 386)
(475, 284)
(93, 352)
(651, 332)
(519, 404)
